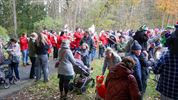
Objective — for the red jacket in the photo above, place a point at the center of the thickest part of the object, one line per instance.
(60, 39)
(54, 40)
(78, 36)
(121, 84)
(103, 39)
(23, 43)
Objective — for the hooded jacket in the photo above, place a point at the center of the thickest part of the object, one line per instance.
(121, 84)
(66, 61)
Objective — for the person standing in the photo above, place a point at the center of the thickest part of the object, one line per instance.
(42, 57)
(167, 67)
(32, 54)
(24, 48)
(14, 55)
(135, 53)
(65, 67)
(120, 83)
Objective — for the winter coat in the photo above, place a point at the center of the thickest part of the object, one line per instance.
(121, 47)
(137, 71)
(14, 52)
(32, 48)
(88, 40)
(111, 63)
(78, 37)
(23, 43)
(54, 40)
(66, 61)
(142, 39)
(172, 42)
(104, 39)
(42, 49)
(85, 57)
(121, 84)
(60, 39)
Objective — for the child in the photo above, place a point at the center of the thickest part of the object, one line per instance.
(85, 54)
(101, 50)
(100, 88)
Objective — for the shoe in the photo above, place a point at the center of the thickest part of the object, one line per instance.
(28, 64)
(24, 65)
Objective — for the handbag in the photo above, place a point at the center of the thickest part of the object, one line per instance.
(15, 59)
(58, 62)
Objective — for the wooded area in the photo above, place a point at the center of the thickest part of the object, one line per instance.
(34, 15)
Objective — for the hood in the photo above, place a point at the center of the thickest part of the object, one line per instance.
(119, 71)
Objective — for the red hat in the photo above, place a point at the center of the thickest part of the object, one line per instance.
(100, 78)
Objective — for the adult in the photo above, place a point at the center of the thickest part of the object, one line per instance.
(142, 37)
(111, 59)
(60, 38)
(77, 36)
(88, 40)
(32, 54)
(14, 55)
(24, 48)
(65, 67)
(120, 47)
(42, 57)
(120, 83)
(135, 53)
(54, 44)
(167, 67)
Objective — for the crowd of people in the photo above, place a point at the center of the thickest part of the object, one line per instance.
(128, 56)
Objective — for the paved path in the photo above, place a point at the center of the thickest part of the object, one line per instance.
(25, 81)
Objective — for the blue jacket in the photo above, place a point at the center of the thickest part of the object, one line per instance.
(137, 71)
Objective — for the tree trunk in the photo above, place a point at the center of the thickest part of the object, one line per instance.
(163, 18)
(15, 18)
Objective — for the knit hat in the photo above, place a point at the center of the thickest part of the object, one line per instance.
(65, 43)
(129, 62)
(136, 46)
(143, 28)
(100, 79)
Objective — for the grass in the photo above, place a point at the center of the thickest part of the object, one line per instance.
(46, 91)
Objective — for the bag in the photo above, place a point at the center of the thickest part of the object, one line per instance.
(58, 62)
(15, 59)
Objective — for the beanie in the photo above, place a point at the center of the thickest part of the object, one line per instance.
(136, 46)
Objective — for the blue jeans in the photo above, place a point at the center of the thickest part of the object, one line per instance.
(42, 65)
(14, 69)
(25, 56)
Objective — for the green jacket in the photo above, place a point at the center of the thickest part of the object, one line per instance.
(121, 47)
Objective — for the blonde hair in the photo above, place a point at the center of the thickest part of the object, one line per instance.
(42, 39)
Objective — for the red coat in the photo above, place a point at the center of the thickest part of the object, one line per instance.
(60, 39)
(54, 40)
(103, 39)
(121, 84)
(78, 36)
(95, 38)
(23, 43)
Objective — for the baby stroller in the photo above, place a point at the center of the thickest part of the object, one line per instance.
(82, 79)
(4, 77)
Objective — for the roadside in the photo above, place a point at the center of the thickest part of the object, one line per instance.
(24, 82)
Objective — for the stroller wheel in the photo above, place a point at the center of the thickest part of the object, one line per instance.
(6, 84)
